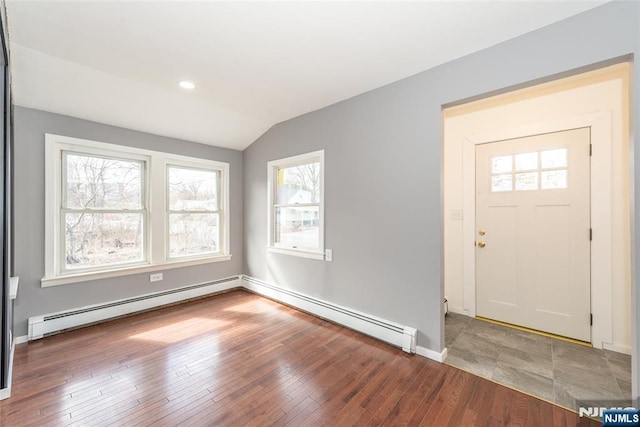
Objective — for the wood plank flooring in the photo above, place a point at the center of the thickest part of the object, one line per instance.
(238, 359)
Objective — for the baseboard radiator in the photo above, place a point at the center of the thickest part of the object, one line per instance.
(384, 330)
(41, 326)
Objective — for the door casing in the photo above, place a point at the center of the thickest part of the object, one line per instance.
(600, 124)
(459, 184)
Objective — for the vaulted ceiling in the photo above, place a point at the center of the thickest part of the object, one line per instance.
(254, 64)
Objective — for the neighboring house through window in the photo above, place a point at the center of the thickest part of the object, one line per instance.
(296, 205)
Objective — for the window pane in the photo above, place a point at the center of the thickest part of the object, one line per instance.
(93, 240)
(298, 227)
(554, 158)
(192, 189)
(501, 164)
(554, 179)
(502, 182)
(527, 181)
(193, 234)
(298, 184)
(98, 182)
(526, 161)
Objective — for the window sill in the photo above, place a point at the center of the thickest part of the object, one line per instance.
(298, 253)
(93, 275)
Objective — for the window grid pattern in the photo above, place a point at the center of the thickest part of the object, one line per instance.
(539, 170)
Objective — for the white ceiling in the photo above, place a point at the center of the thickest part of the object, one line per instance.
(254, 63)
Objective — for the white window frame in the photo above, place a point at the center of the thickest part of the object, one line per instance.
(272, 175)
(156, 233)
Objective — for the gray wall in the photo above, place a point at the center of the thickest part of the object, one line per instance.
(30, 127)
(383, 170)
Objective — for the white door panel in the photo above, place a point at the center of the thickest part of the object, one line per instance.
(533, 208)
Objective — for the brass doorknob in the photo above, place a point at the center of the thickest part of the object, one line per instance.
(482, 244)
(481, 232)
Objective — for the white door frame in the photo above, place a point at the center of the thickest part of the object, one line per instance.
(601, 218)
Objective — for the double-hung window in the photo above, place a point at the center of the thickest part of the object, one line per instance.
(103, 214)
(113, 210)
(193, 211)
(296, 205)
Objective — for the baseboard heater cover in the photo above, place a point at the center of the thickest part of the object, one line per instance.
(40, 326)
(384, 330)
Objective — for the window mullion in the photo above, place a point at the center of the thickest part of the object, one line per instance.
(192, 212)
(104, 211)
(297, 205)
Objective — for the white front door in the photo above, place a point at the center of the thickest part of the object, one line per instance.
(533, 232)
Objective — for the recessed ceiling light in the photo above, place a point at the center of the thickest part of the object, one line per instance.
(187, 84)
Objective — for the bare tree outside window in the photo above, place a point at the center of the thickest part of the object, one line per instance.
(102, 211)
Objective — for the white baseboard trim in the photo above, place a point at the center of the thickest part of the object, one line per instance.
(5, 393)
(21, 339)
(616, 348)
(459, 310)
(384, 330)
(39, 326)
(430, 354)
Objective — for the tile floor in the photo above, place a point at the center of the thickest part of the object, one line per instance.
(553, 369)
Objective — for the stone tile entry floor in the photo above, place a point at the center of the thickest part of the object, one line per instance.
(552, 369)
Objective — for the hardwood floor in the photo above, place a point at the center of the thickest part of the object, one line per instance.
(238, 359)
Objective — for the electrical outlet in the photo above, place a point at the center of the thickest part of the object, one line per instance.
(328, 255)
(156, 277)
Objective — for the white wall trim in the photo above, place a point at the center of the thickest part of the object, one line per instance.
(601, 221)
(39, 326)
(21, 339)
(5, 393)
(384, 330)
(430, 354)
(302, 254)
(617, 348)
(458, 310)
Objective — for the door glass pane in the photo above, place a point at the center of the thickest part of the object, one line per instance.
(554, 179)
(102, 183)
(99, 239)
(554, 158)
(501, 164)
(526, 161)
(298, 184)
(502, 182)
(527, 181)
(192, 189)
(298, 227)
(193, 234)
